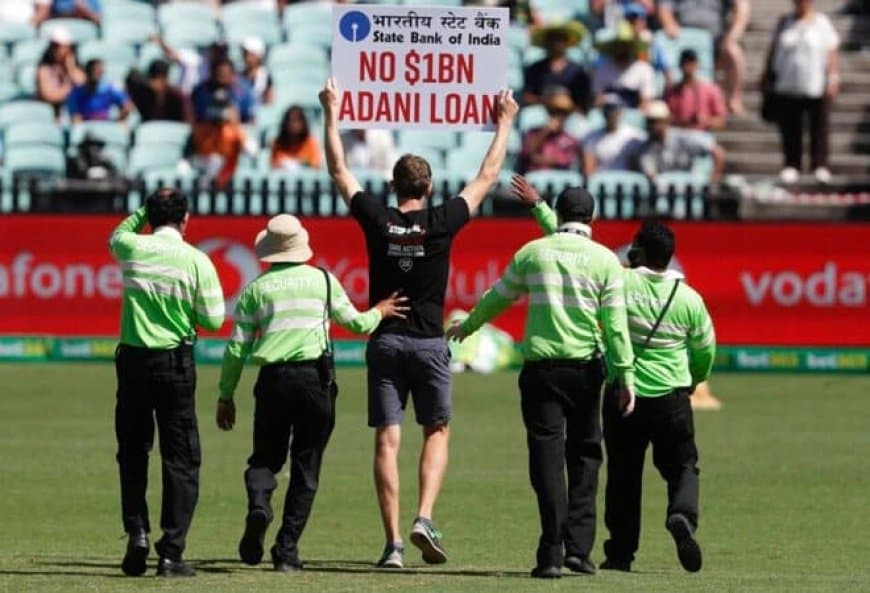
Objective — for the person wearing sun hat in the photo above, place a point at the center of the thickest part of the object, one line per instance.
(254, 71)
(281, 323)
(557, 69)
(621, 70)
(550, 146)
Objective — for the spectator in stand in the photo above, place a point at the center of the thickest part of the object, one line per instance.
(669, 149)
(694, 102)
(556, 69)
(58, 73)
(154, 97)
(196, 67)
(255, 73)
(637, 14)
(727, 21)
(370, 149)
(295, 145)
(611, 148)
(89, 10)
(94, 100)
(223, 78)
(90, 162)
(550, 146)
(219, 140)
(611, 12)
(621, 70)
(803, 65)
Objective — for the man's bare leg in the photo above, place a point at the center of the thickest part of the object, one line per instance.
(387, 441)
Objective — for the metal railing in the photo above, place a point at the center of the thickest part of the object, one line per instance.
(265, 197)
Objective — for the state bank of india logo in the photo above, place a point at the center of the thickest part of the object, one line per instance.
(236, 266)
(354, 26)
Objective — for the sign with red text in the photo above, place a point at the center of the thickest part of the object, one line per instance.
(764, 284)
(417, 67)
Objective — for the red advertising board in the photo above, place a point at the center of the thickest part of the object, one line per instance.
(765, 284)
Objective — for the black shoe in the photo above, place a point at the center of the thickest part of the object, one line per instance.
(174, 568)
(251, 544)
(615, 565)
(688, 550)
(547, 572)
(282, 564)
(134, 564)
(580, 564)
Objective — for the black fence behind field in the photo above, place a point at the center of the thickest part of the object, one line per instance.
(316, 197)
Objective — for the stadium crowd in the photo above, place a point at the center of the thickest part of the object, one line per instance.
(216, 90)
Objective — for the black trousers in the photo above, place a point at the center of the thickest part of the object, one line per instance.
(792, 113)
(667, 423)
(293, 413)
(158, 384)
(561, 405)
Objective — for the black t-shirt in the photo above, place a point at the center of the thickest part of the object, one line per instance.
(410, 251)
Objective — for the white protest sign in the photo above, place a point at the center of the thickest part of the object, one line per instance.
(419, 67)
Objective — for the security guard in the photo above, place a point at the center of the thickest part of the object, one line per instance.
(573, 284)
(170, 288)
(282, 324)
(674, 344)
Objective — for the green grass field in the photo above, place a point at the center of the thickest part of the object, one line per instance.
(785, 482)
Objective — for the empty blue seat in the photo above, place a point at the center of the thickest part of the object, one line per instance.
(168, 177)
(554, 180)
(15, 32)
(267, 29)
(304, 94)
(172, 13)
(134, 32)
(25, 133)
(111, 132)
(35, 159)
(302, 14)
(107, 51)
(29, 111)
(317, 34)
(79, 30)
(191, 34)
(28, 52)
(438, 139)
(125, 10)
(25, 78)
(152, 156)
(296, 55)
(162, 132)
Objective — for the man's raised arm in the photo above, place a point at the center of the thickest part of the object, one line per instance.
(477, 188)
(341, 176)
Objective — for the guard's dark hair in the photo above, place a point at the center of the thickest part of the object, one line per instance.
(165, 206)
(657, 242)
(412, 177)
(158, 69)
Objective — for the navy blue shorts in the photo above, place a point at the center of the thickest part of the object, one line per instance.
(399, 365)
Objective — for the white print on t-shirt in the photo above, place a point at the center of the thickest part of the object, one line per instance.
(406, 242)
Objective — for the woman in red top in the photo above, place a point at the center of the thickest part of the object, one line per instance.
(295, 145)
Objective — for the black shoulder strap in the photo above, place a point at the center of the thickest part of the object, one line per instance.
(328, 310)
(661, 316)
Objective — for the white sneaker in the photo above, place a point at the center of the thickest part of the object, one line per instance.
(789, 175)
(393, 556)
(823, 175)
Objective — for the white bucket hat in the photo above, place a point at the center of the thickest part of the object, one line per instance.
(658, 110)
(60, 35)
(284, 240)
(254, 45)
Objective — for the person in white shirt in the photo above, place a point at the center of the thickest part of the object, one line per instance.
(802, 72)
(611, 147)
(621, 69)
(255, 72)
(370, 149)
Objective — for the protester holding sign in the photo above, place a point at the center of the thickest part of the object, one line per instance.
(409, 250)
